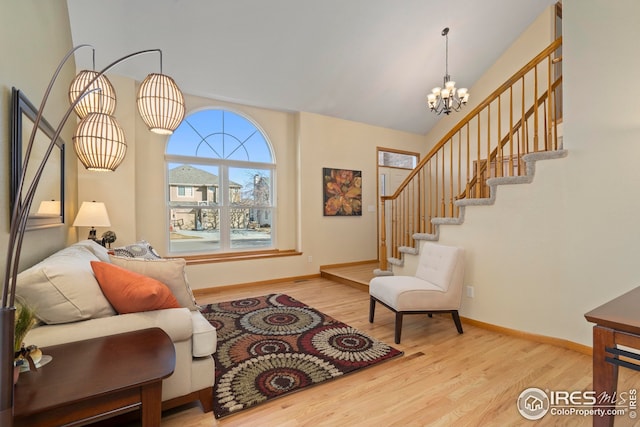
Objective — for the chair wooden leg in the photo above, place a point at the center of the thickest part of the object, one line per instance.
(372, 308)
(456, 319)
(398, 326)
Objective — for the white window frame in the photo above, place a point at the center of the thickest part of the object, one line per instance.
(224, 205)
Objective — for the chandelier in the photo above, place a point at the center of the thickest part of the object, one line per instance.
(447, 99)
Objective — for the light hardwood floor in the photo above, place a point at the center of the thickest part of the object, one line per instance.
(443, 379)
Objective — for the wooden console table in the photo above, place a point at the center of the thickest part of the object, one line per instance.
(91, 380)
(617, 323)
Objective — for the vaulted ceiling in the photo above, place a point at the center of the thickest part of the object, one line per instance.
(371, 61)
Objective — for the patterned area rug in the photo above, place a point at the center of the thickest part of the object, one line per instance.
(274, 345)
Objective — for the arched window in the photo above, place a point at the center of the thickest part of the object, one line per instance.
(220, 170)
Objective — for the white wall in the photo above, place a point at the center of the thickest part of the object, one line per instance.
(548, 252)
(602, 175)
(326, 142)
(34, 37)
(316, 142)
(115, 188)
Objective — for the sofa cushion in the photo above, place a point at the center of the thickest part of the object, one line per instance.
(95, 248)
(130, 292)
(169, 271)
(205, 337)
(62, 287)
(406, 293)
(176, 322)
(140, 249)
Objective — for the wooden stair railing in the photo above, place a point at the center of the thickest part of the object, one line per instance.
(479, 147)
(480, 191)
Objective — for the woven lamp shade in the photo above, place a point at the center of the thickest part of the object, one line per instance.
(98, 101)
(99, 142)
(160, 103)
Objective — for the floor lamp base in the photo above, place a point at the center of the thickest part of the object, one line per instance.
(7, 323)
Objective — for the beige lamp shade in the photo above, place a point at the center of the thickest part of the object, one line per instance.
(101, 96)
(49, 207)
(92, 214)
(99, 142)
(160, 103)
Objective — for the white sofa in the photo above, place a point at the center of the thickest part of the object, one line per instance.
(71, 307)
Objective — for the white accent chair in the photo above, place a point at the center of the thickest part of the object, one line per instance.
(435, 288)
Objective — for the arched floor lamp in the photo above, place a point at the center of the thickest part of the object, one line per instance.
(100, 145)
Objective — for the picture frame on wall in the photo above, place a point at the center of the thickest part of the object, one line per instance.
(342, 192)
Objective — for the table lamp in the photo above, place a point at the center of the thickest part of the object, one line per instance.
(92, 214)
(49, 208)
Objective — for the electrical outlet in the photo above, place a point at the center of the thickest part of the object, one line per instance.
(310, 259)
(471, 292)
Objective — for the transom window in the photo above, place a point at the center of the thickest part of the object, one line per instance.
(397, 159)
(220, 172)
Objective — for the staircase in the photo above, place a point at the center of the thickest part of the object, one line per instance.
(497, 143)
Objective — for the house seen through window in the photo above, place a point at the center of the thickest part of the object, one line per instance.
(220, 171)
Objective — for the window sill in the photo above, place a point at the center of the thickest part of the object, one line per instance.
(237, 256)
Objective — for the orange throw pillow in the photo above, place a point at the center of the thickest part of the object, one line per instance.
(130, 292)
